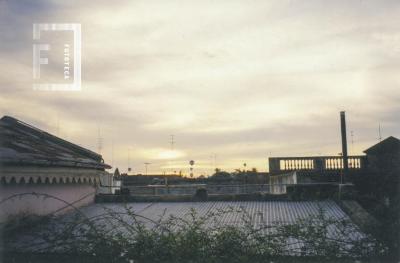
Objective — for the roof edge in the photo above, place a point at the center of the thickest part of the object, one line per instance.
(13, 121)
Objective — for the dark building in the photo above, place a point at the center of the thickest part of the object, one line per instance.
(384, 155)
(384, 164)
(381, 158)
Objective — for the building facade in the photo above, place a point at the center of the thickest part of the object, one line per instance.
(43, 174)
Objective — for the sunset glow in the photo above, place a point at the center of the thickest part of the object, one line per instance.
(241, 80)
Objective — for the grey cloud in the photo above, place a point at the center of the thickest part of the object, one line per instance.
(221, 66)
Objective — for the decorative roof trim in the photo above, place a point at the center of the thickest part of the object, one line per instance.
(49, 180)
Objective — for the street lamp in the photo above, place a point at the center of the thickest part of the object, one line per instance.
(191, 167)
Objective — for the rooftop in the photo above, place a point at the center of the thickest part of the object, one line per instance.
(263, 212)
(390, 144)
(23, 144)
(260, 214)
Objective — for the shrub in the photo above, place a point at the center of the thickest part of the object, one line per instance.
(201, 195)
(128, 237)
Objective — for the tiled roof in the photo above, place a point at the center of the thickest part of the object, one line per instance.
(23, 144)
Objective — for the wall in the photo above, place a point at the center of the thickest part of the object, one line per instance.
(108, 184)
(78, 194)
(73, 185)
(278, 182)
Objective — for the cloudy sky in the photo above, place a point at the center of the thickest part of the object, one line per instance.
(236, 80)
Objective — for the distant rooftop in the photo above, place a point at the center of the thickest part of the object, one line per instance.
(390, 144)
(23, 144)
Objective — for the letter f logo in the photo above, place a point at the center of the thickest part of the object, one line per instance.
(37, 48)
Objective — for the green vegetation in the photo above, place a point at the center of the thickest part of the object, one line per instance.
(127, 237)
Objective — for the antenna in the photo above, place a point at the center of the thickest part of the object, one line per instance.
(58, 125)
(172, 142)
(112, 153)
(129, 159)
(352, 141)
(145, 165)
(213, 162)
(99, 141)
(379, 131)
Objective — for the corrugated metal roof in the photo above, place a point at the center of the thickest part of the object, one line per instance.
(261, 214)
(23, 144)
(267, 212)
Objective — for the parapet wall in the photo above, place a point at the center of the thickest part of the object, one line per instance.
(45, 190)
(43, 199)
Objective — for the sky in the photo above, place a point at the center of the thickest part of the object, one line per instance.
(234, 81)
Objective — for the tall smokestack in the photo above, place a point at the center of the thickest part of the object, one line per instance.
(344, 143)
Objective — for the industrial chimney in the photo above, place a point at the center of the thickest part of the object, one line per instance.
(344, 144)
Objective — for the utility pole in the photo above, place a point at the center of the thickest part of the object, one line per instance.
(172, 142)
(245, 176)
(146, 164)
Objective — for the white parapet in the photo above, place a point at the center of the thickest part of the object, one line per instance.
(45, 191)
